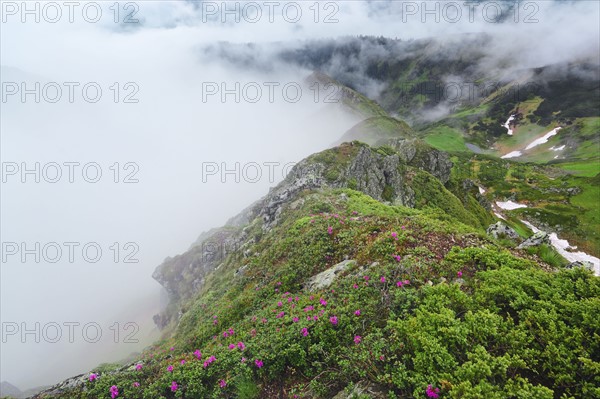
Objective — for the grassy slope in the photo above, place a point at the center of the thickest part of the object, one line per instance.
(544, 190)
(509, 329)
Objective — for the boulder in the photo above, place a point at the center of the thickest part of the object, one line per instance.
(539, 238)
(500, 230)
(362, 390)
(584, 264)
(324, 279)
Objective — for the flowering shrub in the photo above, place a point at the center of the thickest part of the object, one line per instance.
(496, 326)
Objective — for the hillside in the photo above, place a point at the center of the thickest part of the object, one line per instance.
(361, 274)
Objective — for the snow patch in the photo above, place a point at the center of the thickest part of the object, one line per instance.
(562, 147)
(561, 247)
(513, 154)
(481, 190)
(510, 205)
(544, 139)
(499, 216)
(507, 124)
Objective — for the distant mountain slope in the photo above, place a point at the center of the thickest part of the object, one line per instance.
(454, 92)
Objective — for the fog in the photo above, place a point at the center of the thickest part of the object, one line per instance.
(160, 200)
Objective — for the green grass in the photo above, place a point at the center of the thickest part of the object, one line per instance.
(445, 138)
(582, 168)
(499, 329)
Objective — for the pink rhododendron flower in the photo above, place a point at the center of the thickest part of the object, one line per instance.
(198, 354)
(174, 386)
(432, 392)
(280, 304)
(258, 363)
(93, 377)
(304, 332)
(138, 366)
(329, 230)
(295, 320)
(241, 346)
(394, 235)
(399, 284)
(357, 339)
(357, 312)
(333, 320)
(280, 315)
(114, 391)
(231, 346)
(222, 383)
(459, 274)
(397, 257)
(182, 362)
(323, 302)
(406, 282)
(382, 279)
(136, 384)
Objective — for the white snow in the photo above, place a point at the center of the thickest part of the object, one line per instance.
(510, 205)
(481, 190)
(562, 147)
(507, 125)
(499, 216)
(543, 139)
(513, 154)
(532, 227)
(561, 247)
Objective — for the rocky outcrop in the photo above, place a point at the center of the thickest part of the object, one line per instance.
(64, 386)
(326, 278)
(539, 238)
(500, 230)
(584, 264)
(417, 153)
(381, 174)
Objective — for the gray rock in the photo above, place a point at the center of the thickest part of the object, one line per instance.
(362, 390)
(584, 264)
(326, 278)
(416, 153)
(68, 384)
(500, 230)
(539, 238)
(241, 271)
